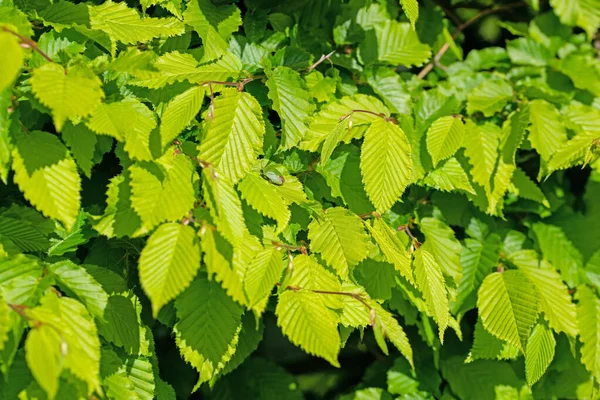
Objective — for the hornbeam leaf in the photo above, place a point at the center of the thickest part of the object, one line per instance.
(43, 352)
(124, 24)
(555, 300)
(161, 190)
(265, 198)
(263, 273)
(385, 163)
(208, 319)
(588, 317)
(13, 59)
(430, 281)
(547, 132)
(444, 137)
(168, 263)
(70, 94)
(448, 177)
(398, 43)
(234, 134)
(481, 146)
(74, 278)
(440, 241)
(392, 246)
(338, 235)
(292, 101)
(179, 113)
(489, 97)
(129, 121)
(47, 176)
(411, 9)
(508, 306)
(307, 322)
(540, 352)
(559, 250)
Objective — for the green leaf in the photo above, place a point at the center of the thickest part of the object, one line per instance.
(385, 163)
(525, 188)
(5, 322)
(448, 177)
(308, 273)
(393, 331)
(572, 152)
(304, 318)
(478, 258)
(47, 176)
(168, 263)
(487, 347)
(444, 138)
(526, 51)
(555, 300)
(180, 111)
(233, 135)
(391, 88)
(82, 143)
(121, 327)
(508, 306)
(125, 25)
(13, 53)
(334, 138)
(75, 279)
(128, 121)
(489, 97)
(338, 235)
(540, 352)
(411, 9)
(588, 317)
(398, 43)
(161, 190)
(265, 198)
(394, 247)
(292, 102)
(440, 241)
(263, 273)
(70, 94)
(430, 281)
(583, 13)
(44, 352)
(225, 206)
(208, 319)
(377, 277)
(481, 147)
(325, 121)
(547, 132)
(559, 250)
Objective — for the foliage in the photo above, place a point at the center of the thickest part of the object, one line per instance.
(364, 199)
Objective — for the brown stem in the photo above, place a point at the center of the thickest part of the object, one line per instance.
(33, 45)
(320, 60)
(405, 228)
(462, 27)
(301, 249)
(382, 115)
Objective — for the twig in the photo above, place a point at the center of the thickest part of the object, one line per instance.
(459, 29)
(382, 115)
(320, 60)
(405, 228)
(30, 43)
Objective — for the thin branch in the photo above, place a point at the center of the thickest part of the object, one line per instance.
(405, 228)
(382, 115)
(320, 60)
(462, 27)
(28, 42)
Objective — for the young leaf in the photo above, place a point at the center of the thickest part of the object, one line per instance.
(70, 94)
(168, 263)
(489, 97)
(292, 102)
(47, 176)
(308, 323)
(262, 274)
(448, 177)
(179, 113)
(588, 317)
(555, 300)
(234, 133)
(44, 351)
(385, 163)
(430, 281)
(13, 56)
(547, 132)
(444, 137)
(208, 319)
(265, 198)
(411, 9)
(398, 43)
(440, 241)
(338, 235)
(540, 352)
(392, 246)
(508, 306)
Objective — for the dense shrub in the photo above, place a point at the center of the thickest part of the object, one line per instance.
(232, 199)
